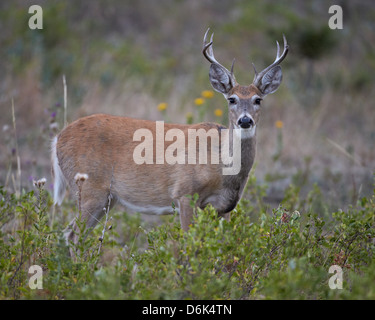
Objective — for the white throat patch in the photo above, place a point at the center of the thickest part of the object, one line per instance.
(245, 133)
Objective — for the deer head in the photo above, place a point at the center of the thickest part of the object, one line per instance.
(244, 101)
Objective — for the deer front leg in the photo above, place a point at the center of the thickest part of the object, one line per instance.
(186, 213)
(226, 216)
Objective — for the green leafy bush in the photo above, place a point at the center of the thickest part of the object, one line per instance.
(277, 254)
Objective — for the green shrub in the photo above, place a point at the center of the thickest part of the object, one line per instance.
(274, 254)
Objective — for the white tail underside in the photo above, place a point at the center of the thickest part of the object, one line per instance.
(59, 185)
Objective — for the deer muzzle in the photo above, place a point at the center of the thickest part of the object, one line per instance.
(245, 122)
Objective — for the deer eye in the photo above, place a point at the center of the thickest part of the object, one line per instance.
(258, 100)
(232, 100)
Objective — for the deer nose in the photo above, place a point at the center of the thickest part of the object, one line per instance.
(245, 122)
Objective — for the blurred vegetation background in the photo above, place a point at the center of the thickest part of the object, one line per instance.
(143, 59)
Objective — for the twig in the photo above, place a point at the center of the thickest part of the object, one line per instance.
(10, 281)
(17, 188)
(80, 178)
(346, 153)
(65, 100)
(106, 210)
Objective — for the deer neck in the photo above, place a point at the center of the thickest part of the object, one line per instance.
(248, 148)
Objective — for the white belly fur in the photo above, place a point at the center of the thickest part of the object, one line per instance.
(148, 209)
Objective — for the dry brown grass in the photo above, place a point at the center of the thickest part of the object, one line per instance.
(330, 123)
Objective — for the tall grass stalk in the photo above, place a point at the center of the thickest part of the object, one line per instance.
(65, 100)
(17, 180)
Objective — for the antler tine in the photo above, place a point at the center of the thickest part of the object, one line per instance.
(232, 68)
(210, 49)
(278, 50)
(205, 38)
(285, 51)
(207, 48)
(255, 70)
(279, 58)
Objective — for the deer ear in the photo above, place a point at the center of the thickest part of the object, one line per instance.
(220, 79)
(271, 80)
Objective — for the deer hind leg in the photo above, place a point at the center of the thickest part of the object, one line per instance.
(93, 208)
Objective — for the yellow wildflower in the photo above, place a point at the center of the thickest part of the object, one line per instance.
(208, 94)
(199, 101)
(218, 112)
(162, 106)
(279, 124)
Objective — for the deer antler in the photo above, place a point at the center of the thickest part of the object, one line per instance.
(279, 58)
(209, 54)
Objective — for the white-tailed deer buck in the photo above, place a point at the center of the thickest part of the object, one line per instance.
(148, 166)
